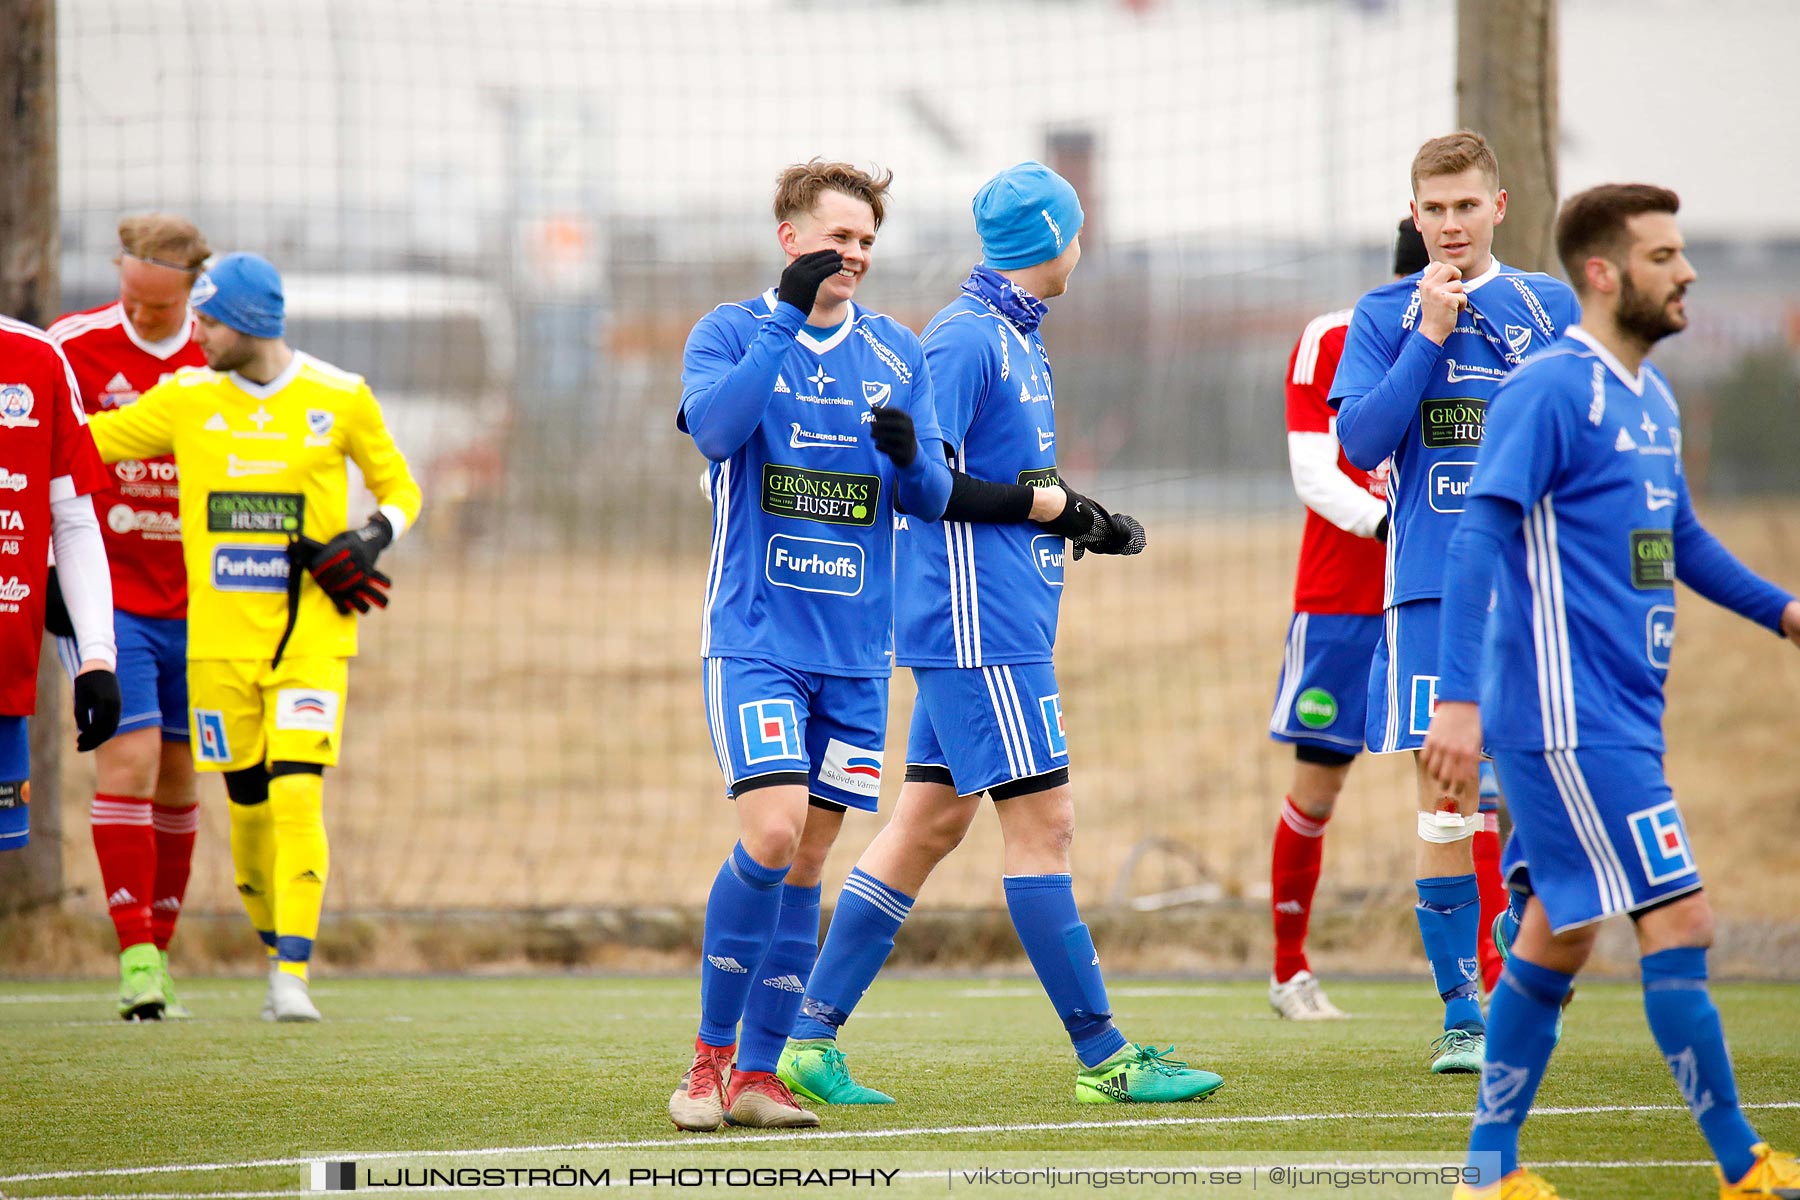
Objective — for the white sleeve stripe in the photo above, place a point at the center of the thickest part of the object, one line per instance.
(69, 328)
(1306, 362)
(74, 388)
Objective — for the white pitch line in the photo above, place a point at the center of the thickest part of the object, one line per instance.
(702, 1143)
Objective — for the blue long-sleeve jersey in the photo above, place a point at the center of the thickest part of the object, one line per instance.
(801, 570)
(1581, 515)
(1401, 395)
(974, 595)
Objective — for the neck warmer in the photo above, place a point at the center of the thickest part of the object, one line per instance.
(1005, 297)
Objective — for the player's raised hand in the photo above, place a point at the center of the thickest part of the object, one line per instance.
(1790, 621)
(894, 435)
(1452, 751)
(1441, 298)
(800, 282)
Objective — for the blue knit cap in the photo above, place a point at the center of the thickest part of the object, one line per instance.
(244, 292)
(1026, 215)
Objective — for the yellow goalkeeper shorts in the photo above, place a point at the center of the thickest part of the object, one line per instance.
(241, 713)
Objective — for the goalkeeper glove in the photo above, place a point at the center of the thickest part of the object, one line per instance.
(801, 280)
(96, 707)
(894, 436)
(56, 613)
(344, 567)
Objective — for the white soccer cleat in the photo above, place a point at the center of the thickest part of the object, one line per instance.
(288, 998)
(268, 1008)
(1302, 999)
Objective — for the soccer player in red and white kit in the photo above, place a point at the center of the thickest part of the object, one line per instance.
(144, 812)
(48, 469)
(1323, 695)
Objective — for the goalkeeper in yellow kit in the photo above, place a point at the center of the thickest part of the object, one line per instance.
(262, 439)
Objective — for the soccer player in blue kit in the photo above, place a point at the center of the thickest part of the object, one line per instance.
(1422, 358)
(1578, 524)
(781, 394)
(975, 618)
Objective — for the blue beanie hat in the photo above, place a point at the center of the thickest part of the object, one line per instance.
(1026, 215)
(244, 292)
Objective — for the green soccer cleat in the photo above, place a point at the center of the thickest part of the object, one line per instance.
(173, 1008)
(1497, 932)
(1458, 1052)
(1143, 1075)
(140, 983)
(815, 1069)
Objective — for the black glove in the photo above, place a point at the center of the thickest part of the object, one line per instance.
(56, 613)
(800, 282)
(1114, 533)
(894, 435)
(344, 567)
(1381, 529)
(96, 708)
(1080, 517)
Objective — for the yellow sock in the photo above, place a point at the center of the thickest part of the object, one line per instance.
(253, 866)
(297, 803)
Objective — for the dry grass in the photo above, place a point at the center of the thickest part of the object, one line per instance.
(526, 733)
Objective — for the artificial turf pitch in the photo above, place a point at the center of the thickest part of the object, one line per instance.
(527, 1073)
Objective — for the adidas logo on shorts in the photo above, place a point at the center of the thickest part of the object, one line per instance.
(787, 983)
(728, 964)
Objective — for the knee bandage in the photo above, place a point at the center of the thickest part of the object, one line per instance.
(1445, 828)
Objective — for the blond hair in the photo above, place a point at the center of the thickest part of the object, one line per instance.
(1453, 154)
(797, 188)
(164, 239)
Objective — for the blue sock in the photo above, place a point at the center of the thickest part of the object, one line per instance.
(740, 923)
(769, 1013)
(1686, 1026)
(863, 925)
(1063, 955)
(1521, 1033)
(1449, 909)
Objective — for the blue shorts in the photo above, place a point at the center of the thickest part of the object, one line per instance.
(1403, 679)
(773, 724)
(1324, 689)
(1596, 832)
(987, 726)
(15, 770)
(152, 670)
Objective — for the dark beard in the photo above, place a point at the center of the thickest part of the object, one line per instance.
(239, 355)
(1641, 317)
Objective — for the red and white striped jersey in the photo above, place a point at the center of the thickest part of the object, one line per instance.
(46, 453)
(140, 512)
(1342, 565)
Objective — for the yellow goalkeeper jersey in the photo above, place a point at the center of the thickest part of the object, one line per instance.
(258, 463)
